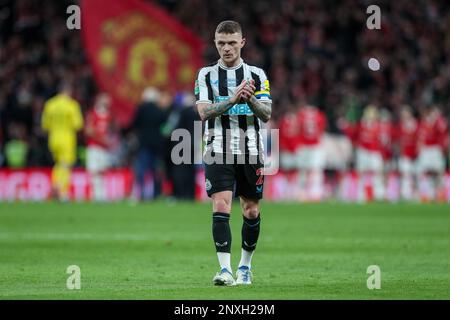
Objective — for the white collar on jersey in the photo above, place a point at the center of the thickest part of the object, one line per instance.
(230, 68)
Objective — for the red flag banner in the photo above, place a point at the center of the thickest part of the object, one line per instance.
(132, 45)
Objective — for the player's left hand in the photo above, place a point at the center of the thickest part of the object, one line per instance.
(248, 90)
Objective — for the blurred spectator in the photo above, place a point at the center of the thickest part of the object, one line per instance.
(98, 134)
(311, 154)
(61, 119)
(433, 143)
(406, 137)
(16, 149)
(183, 116)
(289, 140)
(147, 124)
(369, 153)
(387, 139)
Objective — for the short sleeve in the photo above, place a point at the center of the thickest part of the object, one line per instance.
(202, 90)
(264, 93)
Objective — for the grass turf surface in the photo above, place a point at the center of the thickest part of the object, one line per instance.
(162, 251)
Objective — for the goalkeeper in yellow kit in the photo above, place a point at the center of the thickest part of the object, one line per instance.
(62, 119)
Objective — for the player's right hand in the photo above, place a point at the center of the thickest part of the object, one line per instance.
(238, 92)
(249, 90)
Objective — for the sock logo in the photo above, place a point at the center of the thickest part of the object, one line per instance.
(222, 244)
(245, 242)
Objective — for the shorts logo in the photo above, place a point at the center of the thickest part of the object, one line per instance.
(259, 189)
(208, 185)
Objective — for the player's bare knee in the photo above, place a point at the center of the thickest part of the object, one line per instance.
(250, 209)
(222, 205)
(252, 212)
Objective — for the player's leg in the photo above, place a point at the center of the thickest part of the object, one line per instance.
(249, 187)
(301, 156)
(219, 186)
(378, 178)
(57, 174)
(428, 164)
(317, 165)
(64, 156)
(438, 174)
(422, 176)
(140, 167)
(250, 235)
(221, 227)
(361, 160)
(97, 162)
(221, 232)
(406, 172)
(68, 158)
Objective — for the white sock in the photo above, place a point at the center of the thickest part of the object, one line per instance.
(98, 188)
(246, 258)
(224, 260)
(378, 186)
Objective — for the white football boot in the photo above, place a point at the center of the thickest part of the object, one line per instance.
(224, 278)
(244, 275)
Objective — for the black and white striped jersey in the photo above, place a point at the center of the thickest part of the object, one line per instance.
(238, 130)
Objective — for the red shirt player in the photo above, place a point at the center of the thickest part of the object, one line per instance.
(406, 134)
(98, 123)
(432, 141)
(311, 155)
(386, 134)
(312, 123)
(366, 133)
(289, 133)
(433, 130)
(289, 140)
(406, 140)
(369, 154)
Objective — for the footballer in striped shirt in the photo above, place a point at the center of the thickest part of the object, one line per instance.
(233, 98)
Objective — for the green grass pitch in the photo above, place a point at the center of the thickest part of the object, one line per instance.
(165, 251)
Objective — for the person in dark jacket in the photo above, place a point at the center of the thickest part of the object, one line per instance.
(183, 116)
(148, 120)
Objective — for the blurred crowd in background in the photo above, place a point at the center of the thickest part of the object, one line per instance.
(314, 52)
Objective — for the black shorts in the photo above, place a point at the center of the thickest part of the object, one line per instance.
(248, 177)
